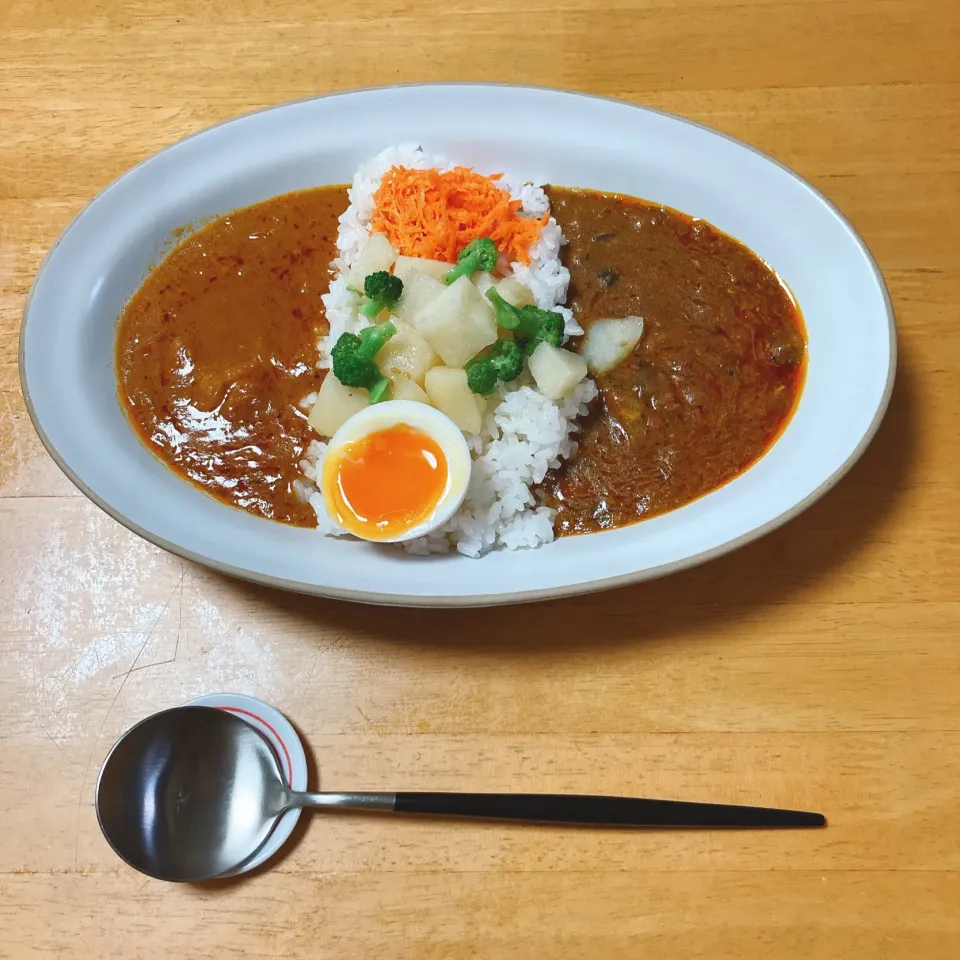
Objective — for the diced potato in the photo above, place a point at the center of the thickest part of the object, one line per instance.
(483, 281)
(556, 371)
(405, 389)
(378, 254)
(514, 292)
(482, 325)
(448, 392)
(458, 324)
(405, 266)
(335, 405)
(419, 291)
(607, 342)
(407, 354)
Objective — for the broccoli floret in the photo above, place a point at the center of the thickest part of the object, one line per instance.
(351, 369)
(503, 363)
(352, 356)
(538, 325)
(508, 358)
(382, 290)
(479, 254)
(530, 324)
(481, 375)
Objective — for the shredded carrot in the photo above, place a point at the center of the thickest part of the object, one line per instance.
(435, 214)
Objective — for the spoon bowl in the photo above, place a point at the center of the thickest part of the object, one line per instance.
(189, 794)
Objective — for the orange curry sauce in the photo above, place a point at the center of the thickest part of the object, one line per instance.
(217, 349)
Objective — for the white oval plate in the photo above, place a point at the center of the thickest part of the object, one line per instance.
(67, 338)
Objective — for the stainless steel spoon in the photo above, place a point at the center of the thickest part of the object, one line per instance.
(192, 793)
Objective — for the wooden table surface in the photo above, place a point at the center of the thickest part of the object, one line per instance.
(817, 668)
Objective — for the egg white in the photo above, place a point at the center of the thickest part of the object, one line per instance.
(419, 416)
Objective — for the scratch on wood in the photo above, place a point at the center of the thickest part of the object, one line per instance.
(49, 736)
(176, 645)
(373, 727)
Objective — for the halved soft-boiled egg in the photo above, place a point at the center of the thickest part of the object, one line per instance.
(395, 471)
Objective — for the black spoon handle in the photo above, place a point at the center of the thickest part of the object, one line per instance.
(606, 811)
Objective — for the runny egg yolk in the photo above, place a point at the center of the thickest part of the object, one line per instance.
(384, 484)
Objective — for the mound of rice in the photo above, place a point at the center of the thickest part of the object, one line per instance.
(524, 434)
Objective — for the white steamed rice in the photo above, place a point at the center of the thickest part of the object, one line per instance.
(524, 434)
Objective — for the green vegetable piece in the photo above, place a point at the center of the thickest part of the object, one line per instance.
(537, 325)
(506, 314)
(508, 358)
(382, 290)
(479, 254)
(481, 375)
(380, 391)
(349, 367)
(503, 363)
(530, 324)
(373, 338)
(352, 356)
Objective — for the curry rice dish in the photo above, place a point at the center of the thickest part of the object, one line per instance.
(607, 359)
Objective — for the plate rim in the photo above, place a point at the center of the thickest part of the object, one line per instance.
(373, 598)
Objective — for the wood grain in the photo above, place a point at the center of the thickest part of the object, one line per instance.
(816, 668)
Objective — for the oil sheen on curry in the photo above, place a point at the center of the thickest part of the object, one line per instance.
(217, 352)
